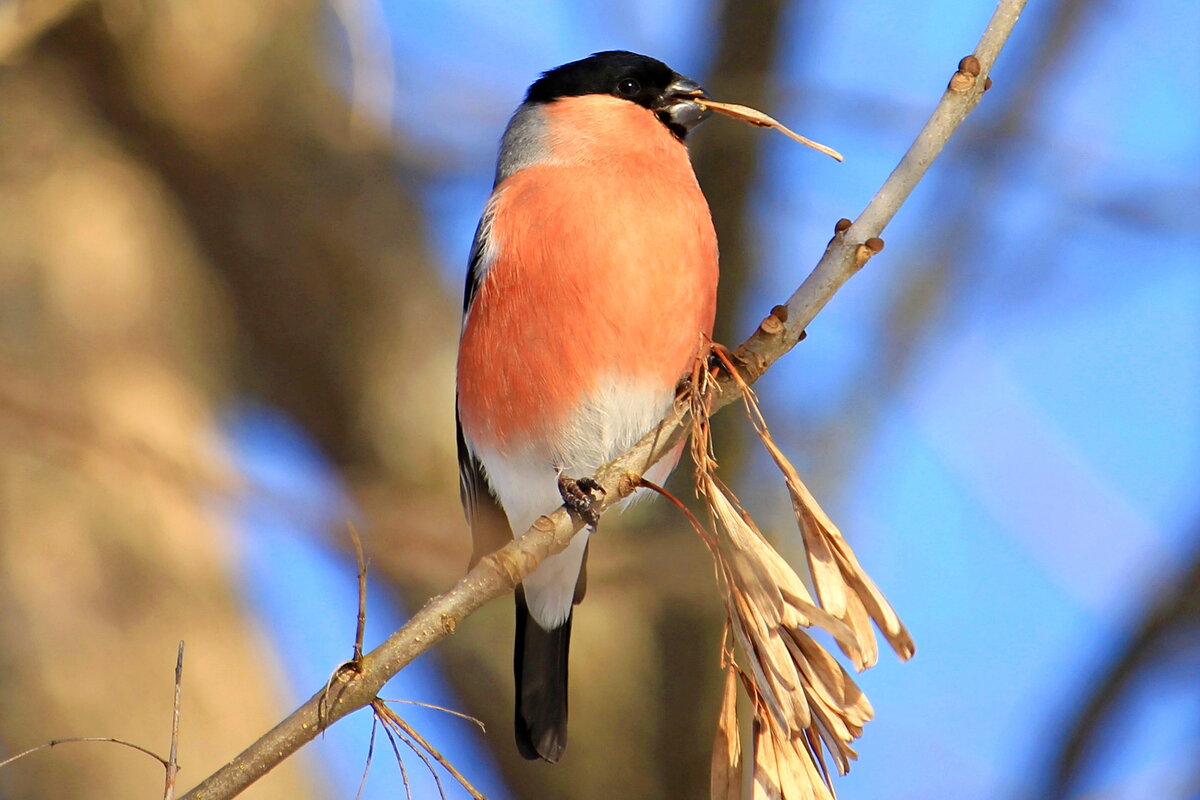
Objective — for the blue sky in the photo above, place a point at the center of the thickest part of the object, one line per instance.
(1032, 479)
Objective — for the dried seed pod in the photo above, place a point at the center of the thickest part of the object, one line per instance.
(761, 120)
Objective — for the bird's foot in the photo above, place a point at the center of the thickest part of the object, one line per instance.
(722, 360)
(580, 496)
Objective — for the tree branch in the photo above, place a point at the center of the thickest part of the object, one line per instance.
(498, 573)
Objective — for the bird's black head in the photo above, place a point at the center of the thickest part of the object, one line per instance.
(639, 79)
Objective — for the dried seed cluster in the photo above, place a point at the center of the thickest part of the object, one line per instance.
(805, 704)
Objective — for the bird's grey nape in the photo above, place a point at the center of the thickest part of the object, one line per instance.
(524, 141)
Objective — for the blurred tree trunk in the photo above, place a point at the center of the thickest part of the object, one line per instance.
(185, 217)
(111, 337)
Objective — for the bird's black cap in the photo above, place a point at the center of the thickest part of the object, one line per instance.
(600, 73)
(639, 79)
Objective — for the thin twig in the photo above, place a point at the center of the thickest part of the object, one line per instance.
(354, 665)
(399, 759)
(74, 740)
(391, 720)
(696, 524)
(446, 765)
(370, 754)
(500, 572)
(170, 764)
(443, 709)
(362, 594)
(413, 739)
(173, 762)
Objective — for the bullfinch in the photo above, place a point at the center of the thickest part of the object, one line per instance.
(591, 288)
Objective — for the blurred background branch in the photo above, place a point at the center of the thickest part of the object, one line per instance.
(1163, 647)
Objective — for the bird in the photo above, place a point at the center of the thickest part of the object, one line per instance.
(590, 291)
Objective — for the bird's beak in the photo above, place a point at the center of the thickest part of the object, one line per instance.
(678, 107)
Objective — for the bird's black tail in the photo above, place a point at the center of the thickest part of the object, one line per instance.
(540, 668)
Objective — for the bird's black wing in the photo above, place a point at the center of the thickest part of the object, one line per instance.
(489, 526)
(485, 515)
(475, 267)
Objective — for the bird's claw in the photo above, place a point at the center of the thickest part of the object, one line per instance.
(721, 358)
(579, 495)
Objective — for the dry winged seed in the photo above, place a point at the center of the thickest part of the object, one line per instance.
(727, 758)
(761, 120)
(765, 785)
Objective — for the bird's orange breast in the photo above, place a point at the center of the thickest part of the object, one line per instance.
(604, 266)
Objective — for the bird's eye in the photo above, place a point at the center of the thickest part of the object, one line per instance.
(629, 87)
